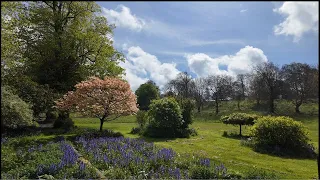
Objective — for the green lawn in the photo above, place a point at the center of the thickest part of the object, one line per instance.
(226, 150)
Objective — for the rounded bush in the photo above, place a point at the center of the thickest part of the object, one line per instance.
(63, 121)
(187, 107)
(15, 113)
(165, 118)
(141, 118)
(280, 134)
(52, 115)
(135, 130)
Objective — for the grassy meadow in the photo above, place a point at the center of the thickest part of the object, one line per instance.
(228, 150)
(210, 142)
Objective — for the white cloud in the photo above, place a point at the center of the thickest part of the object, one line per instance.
(139, 65)
(301, 17)
(243, 10)
(195, 42)
(131, 76)
(242, 62)
(124, 18)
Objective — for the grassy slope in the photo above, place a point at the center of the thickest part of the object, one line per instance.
(226, 150)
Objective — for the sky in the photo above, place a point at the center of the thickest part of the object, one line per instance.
(161, 39)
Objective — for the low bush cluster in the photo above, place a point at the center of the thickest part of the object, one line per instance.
(281, 135)
(168, 120)
(63, 121)
(15, 113)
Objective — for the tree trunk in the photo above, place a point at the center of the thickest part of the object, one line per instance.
(298, 107)
(217, 106)
(240, 131)
(101, 123)
(199, 109)
(258, 101)
(271, 105)
(239, 105)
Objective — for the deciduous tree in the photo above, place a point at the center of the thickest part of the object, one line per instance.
(301, 79)
(106, 99)
(145, 94)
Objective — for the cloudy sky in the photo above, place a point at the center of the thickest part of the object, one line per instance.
(161, 39)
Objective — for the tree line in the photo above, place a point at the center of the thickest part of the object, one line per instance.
(297, 82)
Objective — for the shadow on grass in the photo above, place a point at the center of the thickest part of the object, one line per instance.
(149, 139)
(287, 154)
(235, 136)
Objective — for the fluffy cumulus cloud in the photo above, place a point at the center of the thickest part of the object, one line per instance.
(242, 62)
(122, 17)
(300, 17)
(141, 66)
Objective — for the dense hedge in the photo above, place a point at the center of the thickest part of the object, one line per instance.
(15, 113)
(187, 106)
(239, 119)
(281, 135)
(167, 119)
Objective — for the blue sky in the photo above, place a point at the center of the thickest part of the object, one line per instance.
(161, 39)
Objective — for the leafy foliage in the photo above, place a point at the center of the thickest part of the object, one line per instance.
(145, 94)
(100, 98)
(239, 119)
(68, 42)
(281, 135)
(30, 92)
(63, 121)
(187, 106)
(165, 118)
(15, 112)
(141, 118)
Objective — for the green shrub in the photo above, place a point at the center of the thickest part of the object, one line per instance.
(259, 174)
(201, 172)
(239, 119)
(281, 135)
(136, 130)
(145, 94)
(165, 118)
(187, 106)
(63, 121)
(41, 97)
(15, 113)
(141, 118)
(52, 115)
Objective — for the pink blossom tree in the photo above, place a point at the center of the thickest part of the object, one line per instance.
(106, 99)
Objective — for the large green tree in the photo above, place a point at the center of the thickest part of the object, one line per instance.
(65, 42)
(10, 51)
(55, 44)
(145, 94)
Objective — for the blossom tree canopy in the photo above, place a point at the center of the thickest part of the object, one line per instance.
(106, 99)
